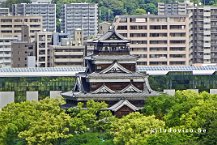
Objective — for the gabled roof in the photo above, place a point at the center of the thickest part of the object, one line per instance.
(111, 36)
(115, 67)
(131, 88)
(122, 103)
(103, 89)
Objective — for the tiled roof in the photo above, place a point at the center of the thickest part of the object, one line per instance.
(122, 103)
(116, 75)
(116, 96)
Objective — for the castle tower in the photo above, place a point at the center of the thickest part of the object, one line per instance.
(111, 77)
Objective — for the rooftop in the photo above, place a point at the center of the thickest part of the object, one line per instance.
(71, 71)
(87, 96)
(150, 16)
(112, 57)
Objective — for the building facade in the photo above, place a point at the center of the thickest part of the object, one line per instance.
(80, 15)
(4, 11)
(43, 41)
(156, 40)
(66, 56)
(204, 34)
(70, 52)
(104, 27)
(24, 52)
(175, 8)
(5, 51)
(46, 10)
(11, 25)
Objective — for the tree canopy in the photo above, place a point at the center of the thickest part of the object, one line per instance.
(185, 118)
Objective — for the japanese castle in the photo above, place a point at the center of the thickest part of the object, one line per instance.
(111, 77)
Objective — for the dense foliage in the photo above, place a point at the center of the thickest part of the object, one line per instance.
(186, 118)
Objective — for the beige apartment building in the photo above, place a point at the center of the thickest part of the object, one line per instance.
(66, 56)
(43, 41)
(69, 53)
(10, 26)
(156, 40)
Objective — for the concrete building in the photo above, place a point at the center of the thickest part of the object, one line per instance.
(66, 56)
(203, 30)
(57, 37)
(69, 53)
(5, 51)
(41, 1)
(11, 25)
(46, 10)
(4, 11)
(23, 52)
(43, 41)
(104, 27)
(156, 40)
(80, 15)
(78, 38)
(174, 8)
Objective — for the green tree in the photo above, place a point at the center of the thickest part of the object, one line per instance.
(158, 105)
(95, 118)
(42, 122)
(134, 128)
(171, 139)
(89, 138)
(204, 116)
(8, 3)
(140, 11)
(151, 8)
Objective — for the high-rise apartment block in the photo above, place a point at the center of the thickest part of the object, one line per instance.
(5, 51)
(10, 26)
(175, 8)
(204, 34)
(202, 29)
(156, 40)
(80, 15)
(46, 10)
(4, 11)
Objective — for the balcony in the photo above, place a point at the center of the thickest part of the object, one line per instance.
(69, 53)
(68, 60)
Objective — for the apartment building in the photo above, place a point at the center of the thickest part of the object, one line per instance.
(66, 56)
(43, 41)
(5, 51)
(46, 10)
(203, 30)
(4, 11)
(175, 8)
(23, 52)
(10, 26)
(80, 15)
(70, 52)
(156, 40)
